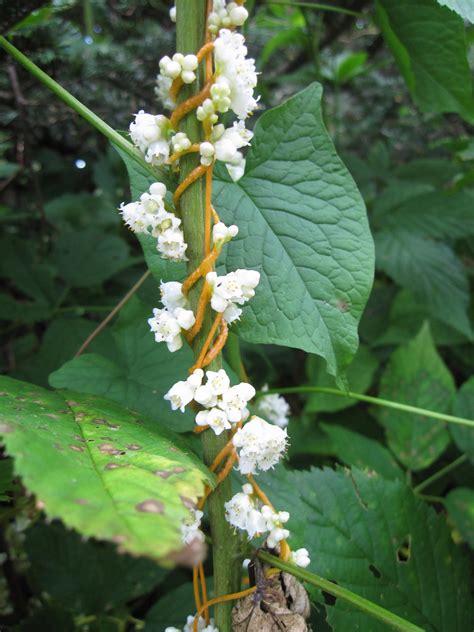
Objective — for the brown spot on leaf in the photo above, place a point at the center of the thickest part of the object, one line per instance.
(40, 505)
(82, 501)
(173, 449)
(107, 448)
(188, 503)
(3, 394)
(71, 402)
(133, 446)
(114, 466)
(57, 446)
(5, 428)
(80, 415)
(119, 539)
(167, 473)
(52, 416)
(78, 438)
(77, 448)
(151, 506)
(190, 555)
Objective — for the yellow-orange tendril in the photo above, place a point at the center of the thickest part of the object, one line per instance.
(202, 581)
(190, 104)
(221, 599)
(207, 343)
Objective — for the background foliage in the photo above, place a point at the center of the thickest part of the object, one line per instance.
(397, 102)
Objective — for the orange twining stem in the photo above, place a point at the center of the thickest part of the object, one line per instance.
(190, 104)
(284, 551)
(217, 346)
(226, 470)
(207, 343)
(177, 154)
(221, 599)
(203, 268)
(187, 182)
(221, 455)
(215, 216)
(200, 312)
(205, 51)
(176, 86)
(202, 579)
(208, 213)
(263, 497)
(197, 596)
(199, 429)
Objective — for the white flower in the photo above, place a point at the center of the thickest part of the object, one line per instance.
(179, 66)
(182, 393)
(202, 627)
(274, 408)
(235, 287)
(190, 527)
(171, 244)
(149, 213)
(236, 75)
(172, 295)
(225, 16)
(162, 91)
(166, 329)
(221, 233)
(300, 557)
(180, 142)
(150, 134)
(228, 141)
(218, 381)
(185, 317)
(234, 401)
(207, 111)
(215, 418)
(206, 151)
(275, 536)
(173, 19)
(261, 445)
(242, 513)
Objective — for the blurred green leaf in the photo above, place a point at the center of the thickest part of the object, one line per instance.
(360, 374)
(430, 50)
(359, 451)
(464, 405)
(82, 575)
(416, 375)
(136, 371)
(460, 505)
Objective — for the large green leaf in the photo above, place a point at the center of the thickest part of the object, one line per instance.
(104, 470)
(359, 451)
(464, 407)
(460, 505)
(359, 378)
(429, 44)
(136, 371)
(302, 224)
(430, 270)
(374, 537)
(465, 8)
(416, 375)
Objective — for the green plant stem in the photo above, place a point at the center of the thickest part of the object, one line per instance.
(115, 137)
(377, 401)
(190, 29)
(234, 358)
(440, 473)
(317, 7)
(392, 620)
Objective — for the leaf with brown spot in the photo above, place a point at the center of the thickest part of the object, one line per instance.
(107, 490)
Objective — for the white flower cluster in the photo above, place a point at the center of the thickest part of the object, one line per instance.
(151, 134)
(149, 216)
(223, 404)
(260, 445)
(202, 627)
(225, 16)
(225, 146)
(190, 530)
(274, 408)
(245, 512)
(232, 289)
(168, 323)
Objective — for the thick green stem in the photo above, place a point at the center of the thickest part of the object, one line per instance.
(374, 610)
(190, 35)
(377, 401)
(115, 137)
